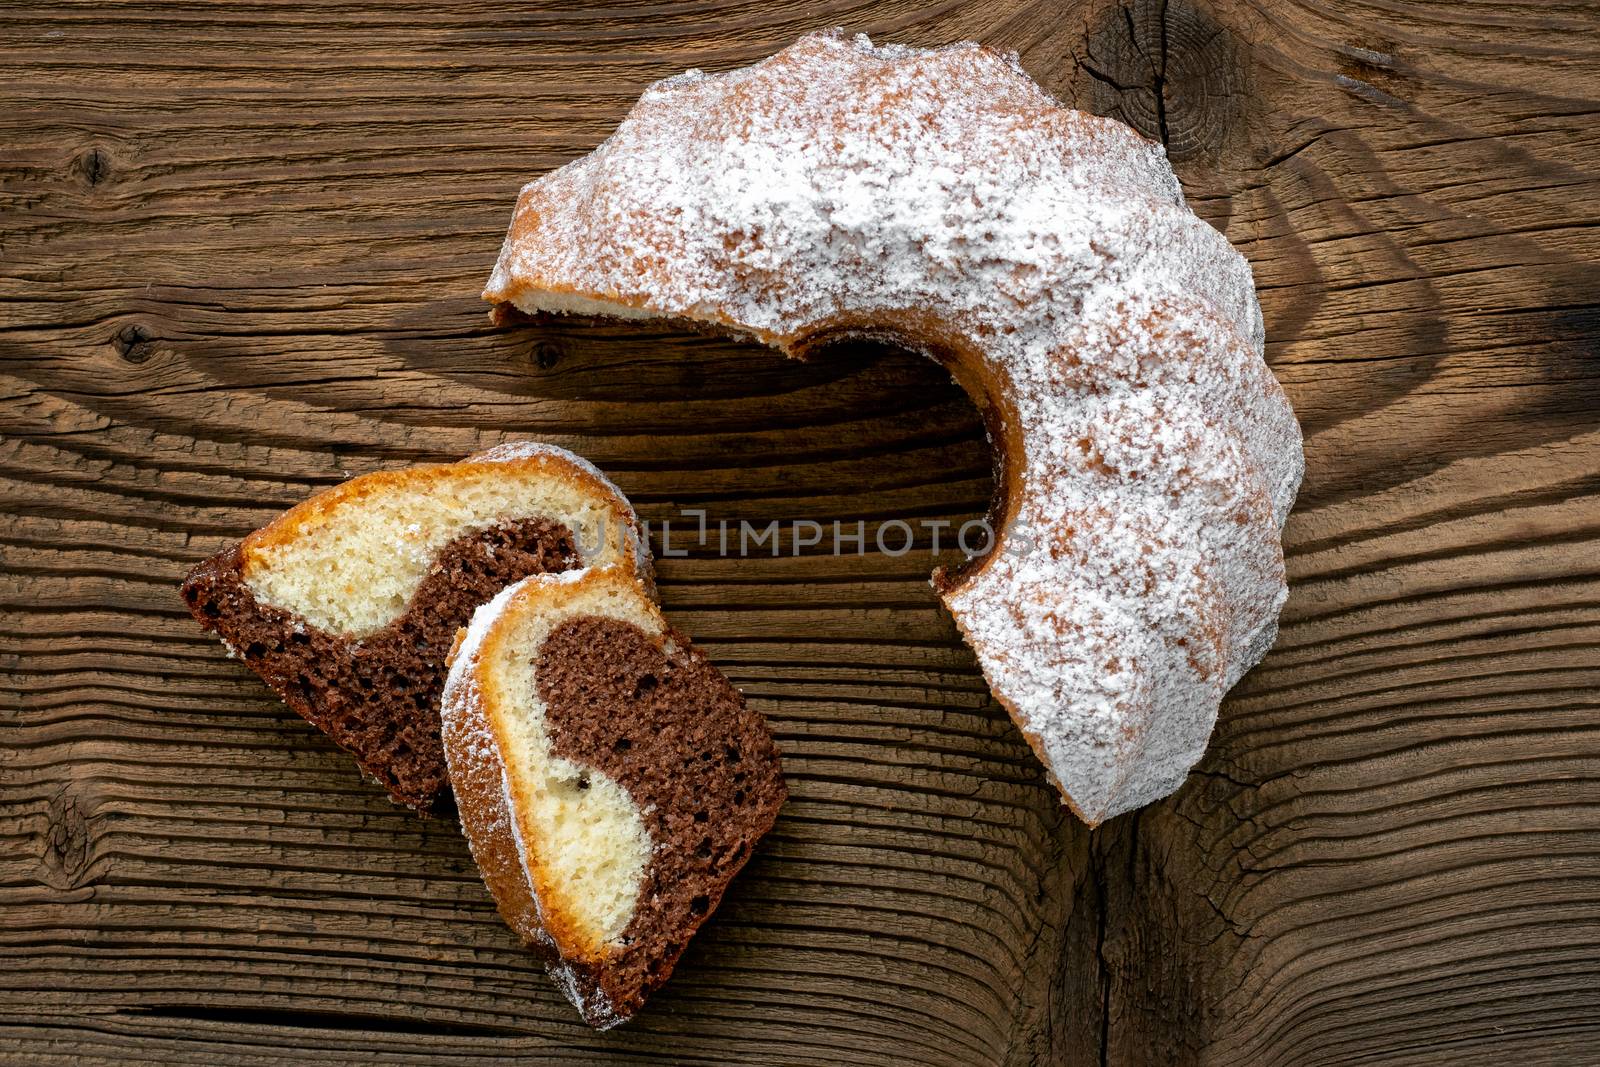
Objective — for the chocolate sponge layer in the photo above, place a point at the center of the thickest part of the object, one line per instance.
(378, 697)
(669, 728)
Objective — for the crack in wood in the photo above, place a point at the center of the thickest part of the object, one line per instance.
(298, 1020)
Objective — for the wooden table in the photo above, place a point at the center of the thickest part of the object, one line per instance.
(240, 253)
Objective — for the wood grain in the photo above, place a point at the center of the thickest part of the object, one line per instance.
(240, 248)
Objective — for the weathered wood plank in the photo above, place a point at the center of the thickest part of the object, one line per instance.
(239, 252)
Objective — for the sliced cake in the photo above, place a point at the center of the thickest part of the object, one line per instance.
(347, 604)
(610, 780)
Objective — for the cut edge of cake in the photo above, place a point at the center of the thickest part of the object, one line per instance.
(563, 848)
(349, 559)
(346, 604)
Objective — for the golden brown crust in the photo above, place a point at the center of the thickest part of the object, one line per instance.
(308, 514)
(480, 791)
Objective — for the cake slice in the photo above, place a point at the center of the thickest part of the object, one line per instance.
(347, 604)
(610, 780)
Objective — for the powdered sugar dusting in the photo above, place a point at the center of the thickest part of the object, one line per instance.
(483, 618)
(942, 197)
(590, 1000)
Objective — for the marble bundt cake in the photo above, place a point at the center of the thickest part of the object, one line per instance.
(610, 780)
(941, 200)
(347, 604)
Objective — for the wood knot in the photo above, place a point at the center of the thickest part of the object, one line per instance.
(134, 343)
(1170, 70)
(546, 354)
(66, 852)
(93, 165)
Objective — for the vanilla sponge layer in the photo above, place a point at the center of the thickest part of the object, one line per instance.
(349, 560)
(581, 838)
